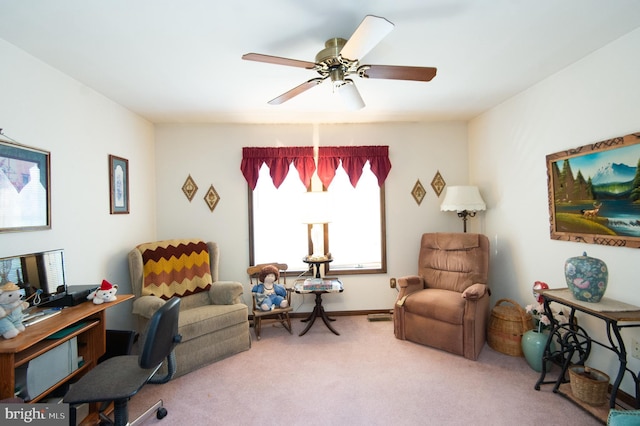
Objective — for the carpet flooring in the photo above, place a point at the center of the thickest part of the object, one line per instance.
(365, 376)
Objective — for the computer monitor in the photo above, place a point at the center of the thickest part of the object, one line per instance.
(41, 273)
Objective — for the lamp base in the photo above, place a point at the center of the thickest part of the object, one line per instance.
(464, 214)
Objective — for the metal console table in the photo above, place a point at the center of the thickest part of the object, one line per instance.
(573, 344)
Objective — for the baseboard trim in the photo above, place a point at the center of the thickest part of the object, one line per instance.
(343, 313)
(339, 313)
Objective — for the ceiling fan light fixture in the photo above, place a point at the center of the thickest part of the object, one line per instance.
(337, 77)
(340, 58)
(350, 95)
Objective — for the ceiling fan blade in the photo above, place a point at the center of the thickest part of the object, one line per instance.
(278, 60)
(296, 91)
(369, 33)
(394, 72)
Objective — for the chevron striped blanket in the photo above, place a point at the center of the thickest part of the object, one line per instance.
(175, 268)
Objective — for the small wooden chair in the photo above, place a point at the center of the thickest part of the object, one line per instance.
(280, 315)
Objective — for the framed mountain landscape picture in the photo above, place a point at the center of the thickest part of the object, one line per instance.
(594, 193)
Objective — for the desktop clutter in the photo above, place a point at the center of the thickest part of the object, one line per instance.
(268, 293)
(105, 293)
(11, 307)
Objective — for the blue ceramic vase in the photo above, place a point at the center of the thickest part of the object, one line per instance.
(533, 343)
(586, 277)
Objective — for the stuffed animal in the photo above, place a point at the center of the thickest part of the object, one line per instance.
(268, 293)
(105, 293)
(11, 306)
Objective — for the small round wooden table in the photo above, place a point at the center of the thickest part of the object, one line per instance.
(318, 309)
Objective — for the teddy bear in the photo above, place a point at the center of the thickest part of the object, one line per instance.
(268, 293)
(11, 307)
(105, 293)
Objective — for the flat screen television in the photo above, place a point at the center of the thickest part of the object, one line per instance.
(41, 273)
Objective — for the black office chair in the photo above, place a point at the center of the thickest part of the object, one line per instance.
(119, 378)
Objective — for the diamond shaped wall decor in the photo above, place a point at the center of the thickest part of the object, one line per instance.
(418, 192)
(438, 183)
(211, 198)
(189, 188)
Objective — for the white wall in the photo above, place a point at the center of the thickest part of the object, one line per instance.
(594, 99)
(211, 154)
(43, 108)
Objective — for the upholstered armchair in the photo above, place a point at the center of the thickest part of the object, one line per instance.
(446, 305)
(214, 323)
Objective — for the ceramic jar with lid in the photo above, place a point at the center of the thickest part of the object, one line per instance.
(586, 277)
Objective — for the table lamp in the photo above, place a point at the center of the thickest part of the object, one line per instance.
(316, 211)
(466, 200)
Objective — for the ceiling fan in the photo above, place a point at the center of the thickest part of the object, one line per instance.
(340, 59)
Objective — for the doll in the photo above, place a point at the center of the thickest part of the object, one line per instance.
(268, 293)
(11, 306)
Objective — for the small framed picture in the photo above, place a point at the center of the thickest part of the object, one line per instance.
(119, 184)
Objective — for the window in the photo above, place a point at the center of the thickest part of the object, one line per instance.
(355, 237)
(276, 232)
(356, 234)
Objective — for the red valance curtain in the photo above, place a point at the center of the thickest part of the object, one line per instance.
(353, 160)
(278, 161)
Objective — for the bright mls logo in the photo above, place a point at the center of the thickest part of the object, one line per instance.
(34, 414)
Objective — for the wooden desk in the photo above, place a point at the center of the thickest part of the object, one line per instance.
(575, 344)
(33, 342)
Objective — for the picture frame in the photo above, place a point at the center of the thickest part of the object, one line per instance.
(25, 188)
(594, 193)
(118, 185)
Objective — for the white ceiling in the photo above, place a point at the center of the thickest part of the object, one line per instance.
(180, 60)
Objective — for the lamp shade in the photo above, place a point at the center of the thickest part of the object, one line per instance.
(315, 207)
(461, 198)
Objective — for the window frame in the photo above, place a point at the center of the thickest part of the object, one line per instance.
(327, 239)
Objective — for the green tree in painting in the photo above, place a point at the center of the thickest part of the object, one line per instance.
(580, 188)
(635, 191)
(570, 189)
(566, 188)
(557, 182)
(590, 194)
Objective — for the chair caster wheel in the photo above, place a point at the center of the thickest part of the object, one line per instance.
(161, 413)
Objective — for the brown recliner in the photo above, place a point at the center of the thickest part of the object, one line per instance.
(446, 305)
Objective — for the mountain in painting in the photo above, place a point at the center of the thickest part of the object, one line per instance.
(613, 173)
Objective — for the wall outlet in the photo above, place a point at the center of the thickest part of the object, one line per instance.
(635, 348)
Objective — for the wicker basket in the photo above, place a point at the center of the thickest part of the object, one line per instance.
(507, 324)
(591, 389)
